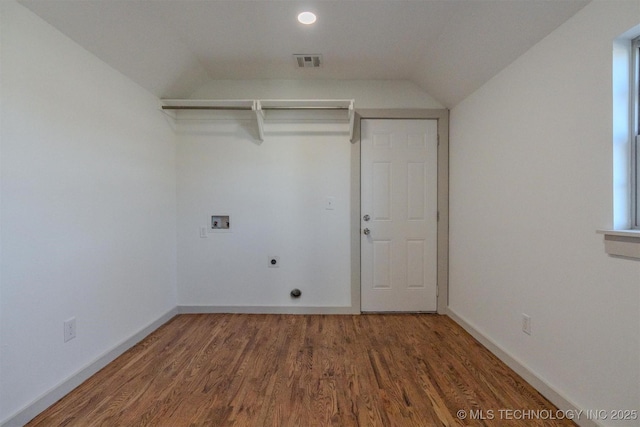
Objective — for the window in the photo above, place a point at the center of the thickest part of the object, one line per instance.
(623, 239)
(635, 133)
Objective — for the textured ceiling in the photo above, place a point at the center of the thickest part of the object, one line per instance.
(171, 47)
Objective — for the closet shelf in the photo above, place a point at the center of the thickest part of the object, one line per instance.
(205, 104)
(260, 106)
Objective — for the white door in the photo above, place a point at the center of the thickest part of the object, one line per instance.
(399, 215)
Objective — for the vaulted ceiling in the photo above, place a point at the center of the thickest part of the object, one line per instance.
(171, 47)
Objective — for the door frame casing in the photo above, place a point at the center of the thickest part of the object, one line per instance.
(442, 117)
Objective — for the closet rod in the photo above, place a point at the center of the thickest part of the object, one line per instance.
(304, 108)
(188, 107)
(195, 107)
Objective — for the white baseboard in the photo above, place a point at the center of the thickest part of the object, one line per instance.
(258, 309)
(529, 376)
(50, 397)
(30, 411)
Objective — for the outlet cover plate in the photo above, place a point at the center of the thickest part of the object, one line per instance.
(526, 324)
(69, 329)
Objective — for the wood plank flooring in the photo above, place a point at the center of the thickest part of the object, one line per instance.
(292, 370)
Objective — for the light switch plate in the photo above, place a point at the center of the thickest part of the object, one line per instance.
(329, 203)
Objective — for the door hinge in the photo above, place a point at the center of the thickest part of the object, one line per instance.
(438, 216)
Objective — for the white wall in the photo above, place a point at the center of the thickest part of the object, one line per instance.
(367, 93)
(275, 193)
(531, 181)
(88, 209)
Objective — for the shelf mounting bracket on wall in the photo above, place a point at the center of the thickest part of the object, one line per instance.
(257, 108)
(352, 115)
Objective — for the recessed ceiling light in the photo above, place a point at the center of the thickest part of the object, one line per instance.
(307, 18)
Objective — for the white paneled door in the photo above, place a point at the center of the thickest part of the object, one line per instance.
(399, 215)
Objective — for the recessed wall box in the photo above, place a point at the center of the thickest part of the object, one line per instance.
(220, 222)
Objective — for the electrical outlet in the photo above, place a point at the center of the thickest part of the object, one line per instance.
(526, 324)
(274, 261)
(70, 329)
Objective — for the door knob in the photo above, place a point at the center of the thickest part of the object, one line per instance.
(366, 231)
(366, 217)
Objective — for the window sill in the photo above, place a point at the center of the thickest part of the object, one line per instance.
(623, 243)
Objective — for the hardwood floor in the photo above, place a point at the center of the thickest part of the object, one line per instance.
(291, 370)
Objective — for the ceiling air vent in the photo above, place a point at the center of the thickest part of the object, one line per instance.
(308, 60)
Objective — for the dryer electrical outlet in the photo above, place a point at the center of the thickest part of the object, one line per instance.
(274, 261)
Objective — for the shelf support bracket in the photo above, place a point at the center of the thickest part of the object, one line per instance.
(257, 108)
(352, 115)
